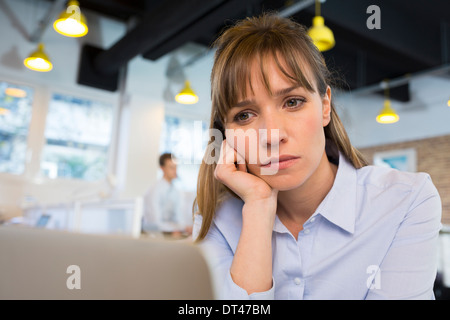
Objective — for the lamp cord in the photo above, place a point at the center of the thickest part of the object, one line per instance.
(386, 90)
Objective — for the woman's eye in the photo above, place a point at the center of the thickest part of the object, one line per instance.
(242, 116)
(294, 102)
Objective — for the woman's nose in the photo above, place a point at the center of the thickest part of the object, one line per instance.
(272, 131)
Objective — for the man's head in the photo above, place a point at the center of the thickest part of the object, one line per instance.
(168, 166)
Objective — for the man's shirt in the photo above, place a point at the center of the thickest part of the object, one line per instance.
(163, 205)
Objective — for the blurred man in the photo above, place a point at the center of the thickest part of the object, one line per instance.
(163, 202)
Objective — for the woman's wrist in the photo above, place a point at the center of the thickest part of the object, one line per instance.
(259, 213)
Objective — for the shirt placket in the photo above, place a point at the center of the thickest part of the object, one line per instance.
(304, 245)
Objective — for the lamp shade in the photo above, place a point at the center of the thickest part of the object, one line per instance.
(387, 114)
(4, 111)
(15, 92)
(38, 60)
(321, 35)
(71, 22)
(186, 95)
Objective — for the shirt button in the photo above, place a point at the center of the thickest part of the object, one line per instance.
(313, 219)
(297, 281)
(306, 231)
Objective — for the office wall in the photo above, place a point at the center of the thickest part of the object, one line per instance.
(433, 157)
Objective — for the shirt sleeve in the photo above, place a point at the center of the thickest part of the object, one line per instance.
(409, 268)
(157, 210)
(180, 208)
(151, 209)
(219, 257)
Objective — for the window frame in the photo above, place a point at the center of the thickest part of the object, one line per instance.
(42, 95)
(113, 138)
(11, 177)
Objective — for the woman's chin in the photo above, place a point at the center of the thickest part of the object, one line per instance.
(282, 182)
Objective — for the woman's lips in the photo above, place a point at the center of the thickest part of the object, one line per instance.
(282, 162)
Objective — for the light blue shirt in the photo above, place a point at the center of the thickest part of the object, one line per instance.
(163, 207)
(374, 236)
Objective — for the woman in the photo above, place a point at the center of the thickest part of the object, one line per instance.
(322, 224)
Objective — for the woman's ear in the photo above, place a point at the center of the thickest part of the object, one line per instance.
(326, 107)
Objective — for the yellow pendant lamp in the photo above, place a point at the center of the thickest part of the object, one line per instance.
(321, 35)
(71, 22)
(15, 92)
(4, 111)
(387, 114)
(11, 93)
(38, 60)
(186, 95)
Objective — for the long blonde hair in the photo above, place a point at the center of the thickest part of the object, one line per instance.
(263, 37)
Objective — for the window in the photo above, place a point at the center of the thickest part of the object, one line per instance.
(186, 140)
(15, 116)
(78, 134)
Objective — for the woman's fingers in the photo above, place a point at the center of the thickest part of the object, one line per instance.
(241, 164)
(226, 158)
(229, 162)
(229, 156)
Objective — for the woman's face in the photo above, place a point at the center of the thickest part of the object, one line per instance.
(284, 129)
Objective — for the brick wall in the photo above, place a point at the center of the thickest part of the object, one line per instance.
(433, 157)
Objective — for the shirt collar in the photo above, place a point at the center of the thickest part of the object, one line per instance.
(339, 205)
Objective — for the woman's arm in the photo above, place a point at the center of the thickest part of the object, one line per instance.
(252, 264)
(251, 268)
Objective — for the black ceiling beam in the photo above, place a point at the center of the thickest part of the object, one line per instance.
(398, 31)
(89, 76)
(383, 55)
(155, 28)
(400, 93)
(358, 61)
(350, 67)
(118, 9)
(97, 65)
(363, 66)
(213, 20)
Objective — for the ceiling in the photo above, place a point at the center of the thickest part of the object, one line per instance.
(414, 35)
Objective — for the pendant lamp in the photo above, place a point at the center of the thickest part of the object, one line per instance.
(321, 35)
(387, 114)
(15, 92)
(38, 60)
(71, 22)
(4, 111)
(186, 95)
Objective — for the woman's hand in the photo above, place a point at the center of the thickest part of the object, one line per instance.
(232, 171)
(251, 268)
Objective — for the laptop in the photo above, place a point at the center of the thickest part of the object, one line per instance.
(38, 263)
